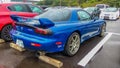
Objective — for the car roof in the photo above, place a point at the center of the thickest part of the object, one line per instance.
(91, 7)
(13, 3)
(74, 8)
(71, 9)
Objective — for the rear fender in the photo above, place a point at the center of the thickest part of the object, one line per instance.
(6, 20)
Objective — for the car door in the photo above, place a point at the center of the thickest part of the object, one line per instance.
(90, 26)
(21, 10)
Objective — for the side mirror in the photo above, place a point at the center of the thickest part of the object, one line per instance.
(95, 16)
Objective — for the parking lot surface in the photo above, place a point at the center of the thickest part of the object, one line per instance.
(107, 57)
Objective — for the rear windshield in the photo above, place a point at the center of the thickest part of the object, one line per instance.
(56, 15)
(100, 6)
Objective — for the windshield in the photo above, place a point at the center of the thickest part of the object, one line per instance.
(56, 15)
(110, 10)
(90, 10)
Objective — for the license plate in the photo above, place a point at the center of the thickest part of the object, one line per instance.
(106, 17)
(20, 43)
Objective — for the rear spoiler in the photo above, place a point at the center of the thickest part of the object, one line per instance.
(44, 22)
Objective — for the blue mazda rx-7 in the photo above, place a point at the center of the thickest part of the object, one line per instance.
(57, 30)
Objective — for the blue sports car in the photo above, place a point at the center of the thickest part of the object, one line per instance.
(56, 30)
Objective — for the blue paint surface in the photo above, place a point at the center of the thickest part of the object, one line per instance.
(60, 33)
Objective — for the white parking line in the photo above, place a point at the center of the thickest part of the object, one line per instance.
(114, 33)
(89, 56)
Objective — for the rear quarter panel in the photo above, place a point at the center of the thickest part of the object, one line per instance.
(63, 31)
(5, 19)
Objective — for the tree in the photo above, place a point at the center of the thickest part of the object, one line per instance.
(84, 3)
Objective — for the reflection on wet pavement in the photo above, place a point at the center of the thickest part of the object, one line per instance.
(11, 58)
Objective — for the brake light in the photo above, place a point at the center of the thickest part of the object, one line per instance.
(42, 31)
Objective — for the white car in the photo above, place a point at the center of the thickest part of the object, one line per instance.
(102, 6)
(110, 13)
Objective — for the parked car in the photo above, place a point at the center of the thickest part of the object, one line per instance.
(102, 6)
(56, 7)
(93, 11)
(56, 30)
(44, 6)
(46, 9)
(111, 13)
(20, 9)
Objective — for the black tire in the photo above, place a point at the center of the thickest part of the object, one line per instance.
(102, 30)
(72, 41)
(5, 33)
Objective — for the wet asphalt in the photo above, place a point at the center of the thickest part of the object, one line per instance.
(107, 57)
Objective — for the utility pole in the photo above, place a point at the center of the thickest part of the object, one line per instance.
(60, 3)
(79, 2)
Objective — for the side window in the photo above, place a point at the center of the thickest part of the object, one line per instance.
(18, 8)
(84, 16)
(95, 9)
(35, 9)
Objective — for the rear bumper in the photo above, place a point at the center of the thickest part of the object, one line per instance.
(47, 45)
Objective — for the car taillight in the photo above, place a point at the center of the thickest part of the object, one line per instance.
(43, 31)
